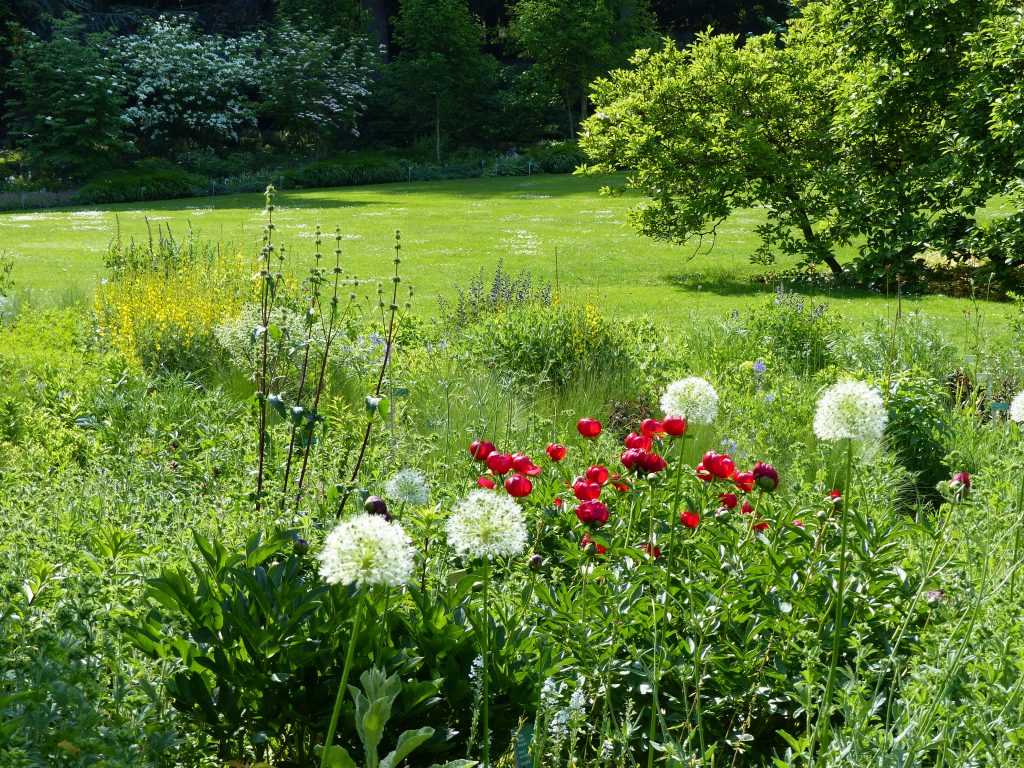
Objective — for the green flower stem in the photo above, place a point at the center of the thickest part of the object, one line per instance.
(357, 622)
(844, 512)
(674, 512)
(485, 730)
(1017, 539)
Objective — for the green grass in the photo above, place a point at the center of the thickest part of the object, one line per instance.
(558, 227)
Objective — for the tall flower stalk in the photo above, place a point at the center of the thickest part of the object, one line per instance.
(366, 551)
(483, 526)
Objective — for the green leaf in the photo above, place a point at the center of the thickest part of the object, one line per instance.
(407, 742)
(337, 757)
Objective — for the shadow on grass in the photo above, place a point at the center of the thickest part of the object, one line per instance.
(723, 283)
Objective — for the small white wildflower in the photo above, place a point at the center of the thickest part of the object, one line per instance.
(692, 398)
(486, 524)
(408, 486)
(1017, 408)
(366, 550)
(850, 410)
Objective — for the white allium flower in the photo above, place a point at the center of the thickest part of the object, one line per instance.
(366, 550)
(692, 398)
(486, 524)
(408, 486)
(1017, 408)
(850, 410)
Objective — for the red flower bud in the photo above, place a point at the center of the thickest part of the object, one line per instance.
(485, 482)
(674, 426)
(558, 502)
(729, 500)
(584, 490)
(556, 451)
(835, 496)
(619, 484)
(744, 481)
(762, 526)
(481, 449)
(589, 428)
(592, 512)
(518, 486)
(747, 508)
(524, 464)
(689, 519)
(961, 480)
(653, 551)
(651, 427)
(724, 467)
(499, 463)
(586, 542)
(597, 474)
(766, 477)
(639, 442)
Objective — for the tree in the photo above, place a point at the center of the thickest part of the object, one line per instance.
(720, 126)
(65, 111)
(440, 69)
(574, 41)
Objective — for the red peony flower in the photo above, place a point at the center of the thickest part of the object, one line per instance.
(720, 465)
(499, 463)
(592, 512)
(589, 428)
(747, 508)
(674, 426)
(558, 502)
(585, 490)
(518, 486)
(638, 442)
(586, 542)
(762, 526)
(556, 451)
(729, 500)
(485, 482)
(689, 519)
(481, 449)
(631, 457)
(524, 464)
(766, 477)
(835, 496)
(703, 473)
(597, 474)
(798, 523)
(653, 463)
(651, 427)
(653, 551)
(744, 481)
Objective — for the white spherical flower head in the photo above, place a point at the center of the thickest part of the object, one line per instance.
(486, 524)
(408, 486)
(367, 550)
(693, 398)
(850, 410)
(1017, 408)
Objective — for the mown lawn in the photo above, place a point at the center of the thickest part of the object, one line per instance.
(558, 227)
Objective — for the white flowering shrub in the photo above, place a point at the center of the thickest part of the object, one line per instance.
(313, 86)
(182, 84)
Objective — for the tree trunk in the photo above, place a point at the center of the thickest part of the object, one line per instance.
(572, 123)
(437, 127)
(820, 249)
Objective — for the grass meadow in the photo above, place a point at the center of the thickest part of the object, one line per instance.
(557, 227)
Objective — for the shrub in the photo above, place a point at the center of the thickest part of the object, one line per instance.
(790, 329)
(149, 180)
(166, 319)
(557, 156)
(918, 429)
